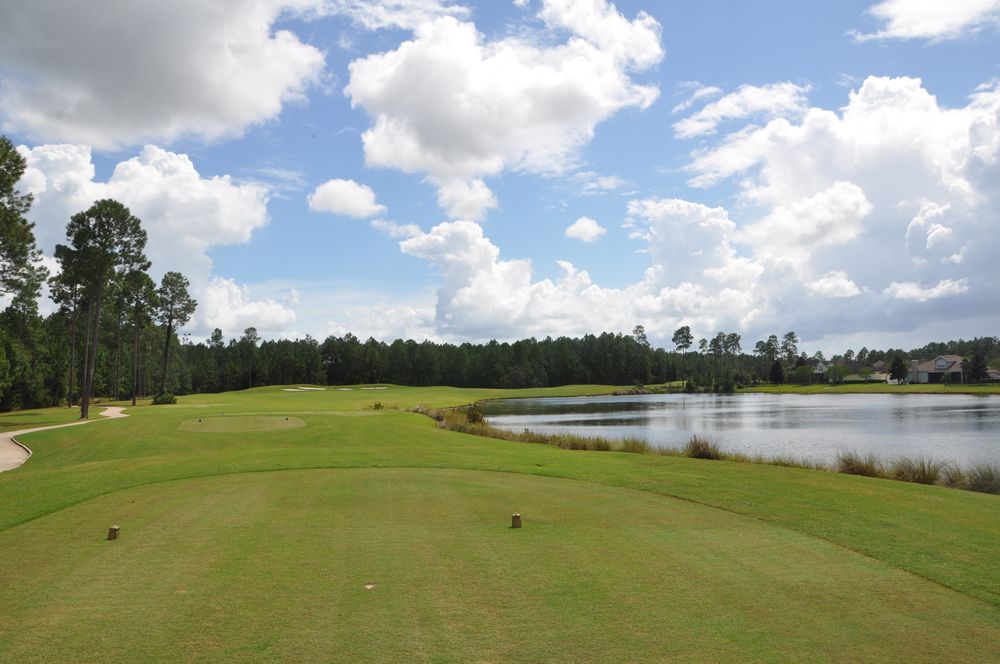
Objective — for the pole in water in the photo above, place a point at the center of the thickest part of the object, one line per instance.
(113, 532)
(515, 520)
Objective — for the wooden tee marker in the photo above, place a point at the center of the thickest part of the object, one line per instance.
(515, 520)
(113, 532)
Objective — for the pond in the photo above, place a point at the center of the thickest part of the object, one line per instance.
(955, 428)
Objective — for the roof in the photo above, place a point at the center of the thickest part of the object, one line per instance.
(954, 364)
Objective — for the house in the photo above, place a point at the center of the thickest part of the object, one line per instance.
(942, 369)
(992, 373)
(818, 366)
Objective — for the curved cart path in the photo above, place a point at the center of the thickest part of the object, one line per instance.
(13, 454)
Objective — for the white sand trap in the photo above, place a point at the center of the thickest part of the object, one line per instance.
(292, 389)
(313, 389)
(374, 388)
(345, 389)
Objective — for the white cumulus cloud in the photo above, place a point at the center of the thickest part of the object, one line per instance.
(877, 217)
(585, 229)
(774, 100)
(909, 290)
(933, 20)
(833, 284)
(345, 197)
(228, 306)
(379, 14)
(104, 76)
(459, 107)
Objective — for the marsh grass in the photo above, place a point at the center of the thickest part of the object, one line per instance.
(851, 462)
(635, 446)
(983, 477)
(920, 470)
(702, 448)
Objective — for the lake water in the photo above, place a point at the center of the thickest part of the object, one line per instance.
(957, 428)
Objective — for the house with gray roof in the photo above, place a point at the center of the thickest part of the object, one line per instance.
(942, 369)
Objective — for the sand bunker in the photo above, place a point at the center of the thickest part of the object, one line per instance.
(241, 423)
(374, 388)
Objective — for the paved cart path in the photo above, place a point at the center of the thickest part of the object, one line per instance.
(12, 454)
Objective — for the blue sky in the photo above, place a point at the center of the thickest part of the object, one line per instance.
(504, 169)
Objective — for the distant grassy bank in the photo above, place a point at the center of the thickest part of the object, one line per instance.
(875, 388)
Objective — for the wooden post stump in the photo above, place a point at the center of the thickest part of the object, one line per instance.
(515, 520)
(113, 532)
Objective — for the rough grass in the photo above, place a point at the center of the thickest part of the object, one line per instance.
(222, 559)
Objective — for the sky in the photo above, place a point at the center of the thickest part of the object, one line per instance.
(463, 171)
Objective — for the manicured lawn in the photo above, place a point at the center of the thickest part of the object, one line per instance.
(252, 540)
(29, 419)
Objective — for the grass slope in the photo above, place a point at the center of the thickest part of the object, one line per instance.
(43, 417)
(229, 554)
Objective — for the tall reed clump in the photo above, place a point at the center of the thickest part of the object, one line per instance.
(702, 448)
(983, 477)
(920, 470)
(635, 446)
(855, 463)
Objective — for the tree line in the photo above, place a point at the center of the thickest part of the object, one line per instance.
(104, 295)
(114, 334)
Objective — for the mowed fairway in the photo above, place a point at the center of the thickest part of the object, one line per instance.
(255, 538)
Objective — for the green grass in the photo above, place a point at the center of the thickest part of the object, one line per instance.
(256, 545)
(29, 419)
(875, 388)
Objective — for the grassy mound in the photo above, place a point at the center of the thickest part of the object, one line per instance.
(257, 545)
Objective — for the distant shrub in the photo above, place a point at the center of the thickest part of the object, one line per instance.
(377, 405)
(702, 448)
(855, 463)
(474, 414)
(164, 399)
(919, 470)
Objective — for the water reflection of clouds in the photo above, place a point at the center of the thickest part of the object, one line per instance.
(948, 427)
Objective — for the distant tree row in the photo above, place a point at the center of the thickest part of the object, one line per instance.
(114, 334)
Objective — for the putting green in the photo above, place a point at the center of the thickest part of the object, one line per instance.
(240, 423)
(274, 566)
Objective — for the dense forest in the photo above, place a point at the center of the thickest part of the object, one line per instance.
(114, 334)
